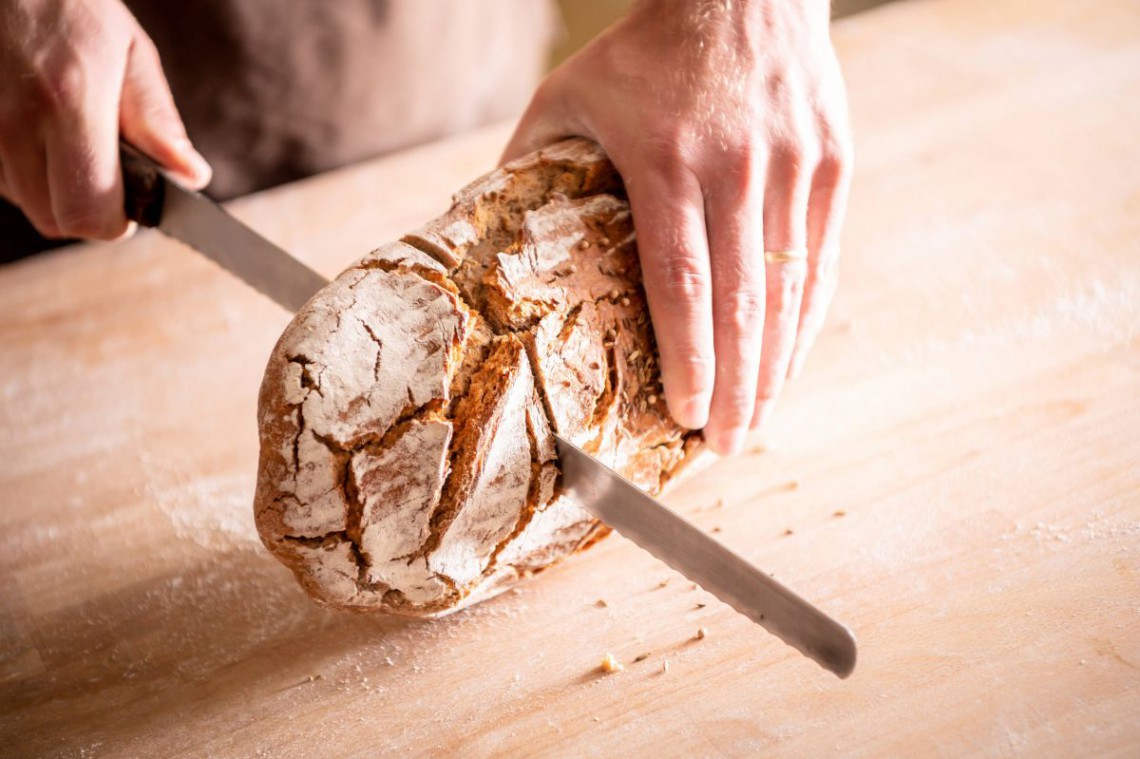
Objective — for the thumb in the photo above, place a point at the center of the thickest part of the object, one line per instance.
(150, 121)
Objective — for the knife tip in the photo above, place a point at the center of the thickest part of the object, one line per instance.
(841, 655)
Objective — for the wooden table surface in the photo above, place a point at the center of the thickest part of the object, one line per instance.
(972, 410)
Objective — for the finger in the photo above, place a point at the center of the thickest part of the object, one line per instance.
(25, 174)
(81, 145)
(785, 238)
(735, 201)
(827, 205)
(669, 218)
(149, 119)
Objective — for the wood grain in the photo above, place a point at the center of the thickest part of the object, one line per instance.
(972, 410)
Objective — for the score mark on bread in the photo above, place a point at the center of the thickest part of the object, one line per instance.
(407, 412)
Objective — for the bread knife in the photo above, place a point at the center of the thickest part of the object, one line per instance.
(155, 200)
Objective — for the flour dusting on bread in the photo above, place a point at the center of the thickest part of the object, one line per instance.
(408, 410)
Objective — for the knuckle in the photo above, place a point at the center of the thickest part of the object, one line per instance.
(734, 409)
(785, 289)
(767, 396)
(795, 155)
(792, 142)
(766, 393)
(836, 158)
(61, 86)
(744, 150)
(692, 373)
(810, 152)
(668, 154)
(742, 309)
(87, 220)
(683, 279)
(737, 166)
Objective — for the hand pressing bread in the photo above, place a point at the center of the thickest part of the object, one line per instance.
(728, 122)
(406, 415)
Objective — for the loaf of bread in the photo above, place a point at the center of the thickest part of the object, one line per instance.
(407, 412)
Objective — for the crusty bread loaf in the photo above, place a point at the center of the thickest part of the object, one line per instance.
(406, 415)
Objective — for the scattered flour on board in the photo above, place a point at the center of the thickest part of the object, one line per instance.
(1097, 528)
(214, 512)
(1109, 313)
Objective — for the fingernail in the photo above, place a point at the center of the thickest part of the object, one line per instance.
(731, 441)
(763, 414)
(199, 167)
(203, 172)
(695, 412)
(129, 232)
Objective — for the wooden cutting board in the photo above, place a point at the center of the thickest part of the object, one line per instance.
(956, 475)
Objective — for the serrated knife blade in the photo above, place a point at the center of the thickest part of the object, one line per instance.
(684, 547)
(155, 200)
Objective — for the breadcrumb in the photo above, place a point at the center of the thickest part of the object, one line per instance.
(702, 633)
(610, 664)
(601, 603)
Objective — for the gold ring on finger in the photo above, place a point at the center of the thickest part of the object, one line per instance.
(785, 256)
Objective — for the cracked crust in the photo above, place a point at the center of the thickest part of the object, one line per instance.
(408, 410)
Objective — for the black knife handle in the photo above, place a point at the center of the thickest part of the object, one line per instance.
(144, 186)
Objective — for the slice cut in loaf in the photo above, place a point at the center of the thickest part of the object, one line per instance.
(407, 412)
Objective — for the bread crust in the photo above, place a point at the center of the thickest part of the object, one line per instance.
(407, 412)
